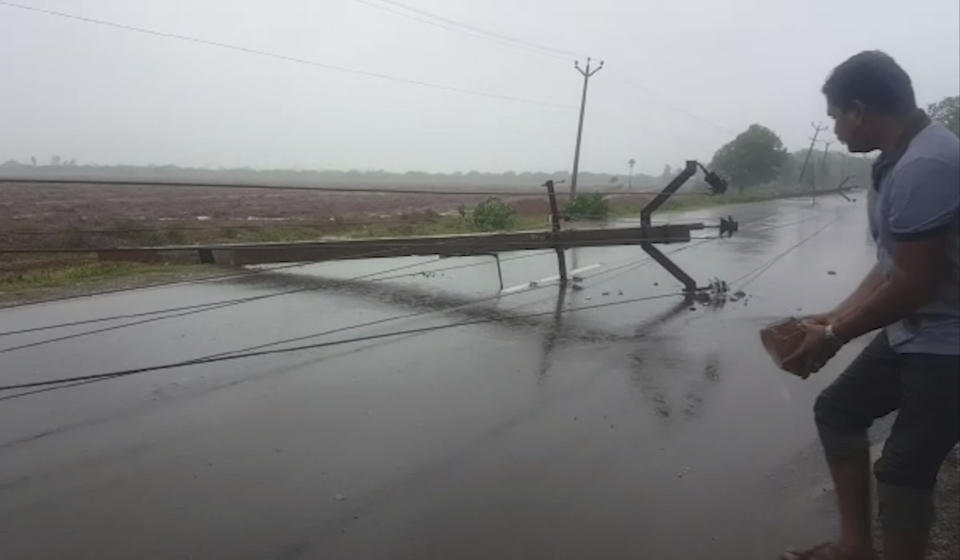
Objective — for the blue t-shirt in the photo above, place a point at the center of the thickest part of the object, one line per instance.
(918, 197)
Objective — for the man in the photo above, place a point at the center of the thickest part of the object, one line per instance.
(913, 363)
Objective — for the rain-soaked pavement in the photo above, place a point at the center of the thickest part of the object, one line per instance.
(641, 430)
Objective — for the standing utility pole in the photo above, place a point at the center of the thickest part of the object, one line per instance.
(587, 73)
(817, 129)
(823, 169)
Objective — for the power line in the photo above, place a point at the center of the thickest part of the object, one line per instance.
(376, 322)
(428, 18)
(757, 272)
(241, 300)
(316, 345)
(203, 280)
(212, 306)
(554, 52)
(481, 31)
(627, 267)
(189, 311)
(631, 265)
(277, 56)
(670, 105)
(106, 319)
(619, 270)
(622, 268)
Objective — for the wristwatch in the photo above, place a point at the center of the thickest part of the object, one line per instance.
(830, 335)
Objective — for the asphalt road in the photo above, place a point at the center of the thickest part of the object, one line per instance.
(656, 429)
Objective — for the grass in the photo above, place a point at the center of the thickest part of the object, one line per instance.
(79, 274)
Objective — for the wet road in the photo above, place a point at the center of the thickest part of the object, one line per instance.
(639, 430)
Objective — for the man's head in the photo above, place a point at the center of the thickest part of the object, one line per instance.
(864, 94)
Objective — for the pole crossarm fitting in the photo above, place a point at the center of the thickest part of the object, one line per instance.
(727, 225)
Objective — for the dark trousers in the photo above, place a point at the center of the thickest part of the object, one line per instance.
(925, 390)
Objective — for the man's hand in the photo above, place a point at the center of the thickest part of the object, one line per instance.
(814, 352)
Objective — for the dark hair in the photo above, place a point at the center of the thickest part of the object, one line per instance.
(874, 79)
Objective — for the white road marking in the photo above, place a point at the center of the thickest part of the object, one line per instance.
(547, 280)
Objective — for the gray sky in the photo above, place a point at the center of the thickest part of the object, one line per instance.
(681, 78)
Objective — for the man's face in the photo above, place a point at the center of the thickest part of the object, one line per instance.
(851, 128)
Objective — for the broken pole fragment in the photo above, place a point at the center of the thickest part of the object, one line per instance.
(555, 230)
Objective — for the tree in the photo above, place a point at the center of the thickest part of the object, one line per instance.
(494, 214)
(587, 206)
(947, 113)
(754, 157)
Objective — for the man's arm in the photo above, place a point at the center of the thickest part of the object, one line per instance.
(920, 213)
(916, 277)
(867, 286)
(918, 271)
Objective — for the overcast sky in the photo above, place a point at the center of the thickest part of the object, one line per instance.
(681, 78)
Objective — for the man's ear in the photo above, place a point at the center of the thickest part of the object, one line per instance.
(857, 112)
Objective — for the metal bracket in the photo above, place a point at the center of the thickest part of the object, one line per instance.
(727, 225)
(689, 284)
(671, 188)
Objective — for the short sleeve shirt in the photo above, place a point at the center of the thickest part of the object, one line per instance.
(920, 197)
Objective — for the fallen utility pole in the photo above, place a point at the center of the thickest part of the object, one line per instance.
(456, 245)
(385, 247)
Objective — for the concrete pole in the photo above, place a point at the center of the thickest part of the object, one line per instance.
(586, 73)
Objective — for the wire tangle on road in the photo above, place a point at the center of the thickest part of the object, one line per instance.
(216, 304)
(266, 349)
(612, 273)
(210, 306)
(751, 276)
(317, 345)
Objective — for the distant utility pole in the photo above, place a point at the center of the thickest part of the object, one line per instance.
(826, 148)
(823, 162)
(817, 129)
(587, 73)
(823, 168)
(630, 163)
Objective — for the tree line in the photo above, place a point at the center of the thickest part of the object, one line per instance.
(757, 158)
